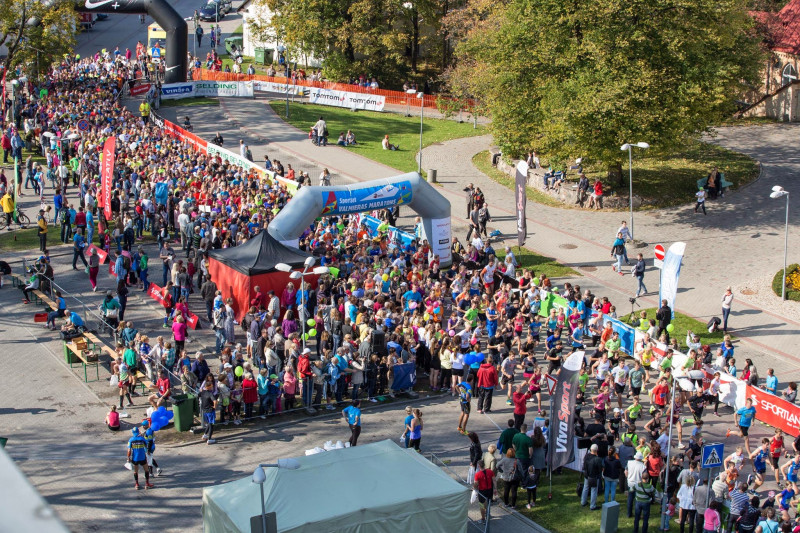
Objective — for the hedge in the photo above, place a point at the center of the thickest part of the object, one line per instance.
(791, 294)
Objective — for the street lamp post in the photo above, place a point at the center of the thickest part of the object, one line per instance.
(260, 477)
(421, 97)
(778, 192)
(629, 148)
(309, 262)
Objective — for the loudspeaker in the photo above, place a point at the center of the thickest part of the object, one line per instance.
(379, 343)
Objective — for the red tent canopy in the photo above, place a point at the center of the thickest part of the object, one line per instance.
(239, 270)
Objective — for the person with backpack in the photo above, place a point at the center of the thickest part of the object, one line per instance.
(510, 469)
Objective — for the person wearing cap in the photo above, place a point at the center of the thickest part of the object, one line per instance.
(150, 439)
(137, 456)
(633, 476)
(592, 470)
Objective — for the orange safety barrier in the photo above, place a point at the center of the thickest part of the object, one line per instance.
(392, 97)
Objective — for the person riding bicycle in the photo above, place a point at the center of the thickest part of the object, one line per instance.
(110, 310)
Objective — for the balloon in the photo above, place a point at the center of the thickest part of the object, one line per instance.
(239, 371)
(437, 310)
(311, 322)
(452, 333)
(312, 332)
(535, 282)
(385, 277)
(426, 316)
(412, 305)
(670, 328)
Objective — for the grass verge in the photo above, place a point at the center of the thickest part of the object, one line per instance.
(483, 162)
(190, 102)
(24, 239)
(538, 263)
(683, 324)
(370, 127)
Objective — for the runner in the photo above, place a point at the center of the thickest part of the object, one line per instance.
(150, 438)
(743, 418)
(137, 456)
(759, 458)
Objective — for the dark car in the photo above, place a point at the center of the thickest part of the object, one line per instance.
(209, 11)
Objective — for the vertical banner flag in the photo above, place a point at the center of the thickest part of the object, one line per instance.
(521, 200)
(668, 287)
(107, 175)
(562, 431)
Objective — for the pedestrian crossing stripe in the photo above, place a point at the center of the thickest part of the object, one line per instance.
(712, 459)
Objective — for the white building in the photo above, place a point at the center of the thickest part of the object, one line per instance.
(254, 10)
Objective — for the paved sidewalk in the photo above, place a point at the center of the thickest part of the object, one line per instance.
(746, 221)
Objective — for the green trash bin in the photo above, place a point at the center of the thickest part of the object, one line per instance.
(183, 407)
(260, 56)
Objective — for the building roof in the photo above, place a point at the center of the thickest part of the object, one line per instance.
(781, 29)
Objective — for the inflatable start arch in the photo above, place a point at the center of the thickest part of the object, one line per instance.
(407, 189)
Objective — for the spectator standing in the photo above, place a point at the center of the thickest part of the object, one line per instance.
(638, 272)
(727, 300)
(593, 470)
(633, 476)
(686, 503)
(644, 494)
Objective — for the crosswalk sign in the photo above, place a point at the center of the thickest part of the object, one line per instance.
(712, 455)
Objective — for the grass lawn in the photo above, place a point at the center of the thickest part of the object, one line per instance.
(25, 239)
(370, 127)
(564, 514)
(683, 324)
(190, 102)
(669, 180)
(537, 263)
(246, 62)
(483, 162)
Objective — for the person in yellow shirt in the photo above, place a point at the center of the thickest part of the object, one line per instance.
(144, 110)
(7, 202)
(42, 231)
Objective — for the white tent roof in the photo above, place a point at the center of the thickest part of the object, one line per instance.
(377, 487)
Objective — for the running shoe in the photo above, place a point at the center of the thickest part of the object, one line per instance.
(149, 485)
(727, 433)
(509, 402)
(158, 472)
(211, 441)
(136, 486)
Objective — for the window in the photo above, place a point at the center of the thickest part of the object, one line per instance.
(788, 75)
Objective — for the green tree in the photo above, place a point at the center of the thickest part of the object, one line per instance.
(581, 77)
(36, 34)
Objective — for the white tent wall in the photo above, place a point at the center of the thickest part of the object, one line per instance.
(375, 488)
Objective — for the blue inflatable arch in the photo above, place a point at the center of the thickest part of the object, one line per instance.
(407, 189)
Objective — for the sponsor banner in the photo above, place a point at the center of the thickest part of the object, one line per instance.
(627, 334)
(775, 411)
(107, 176)
(368, 102)
(357, 200)
(668, 288)
(176, 91)
(562, 432)
(157, 120)
(397, 237)
(273, 87)
(140, 89)
(111, 269)
(236, 89)
(440, 239)
(154, 291)
(102, 254)
(405, 376)
(521, 200)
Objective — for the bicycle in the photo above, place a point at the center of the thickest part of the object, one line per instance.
(22, 220)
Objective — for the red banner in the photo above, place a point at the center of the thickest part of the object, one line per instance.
(775, 411)
(107, 175)
(140, 89)
(102, 254)
(154, 291)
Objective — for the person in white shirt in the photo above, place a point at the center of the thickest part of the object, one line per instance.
(727, 300)
(633, 473)
(701, 200)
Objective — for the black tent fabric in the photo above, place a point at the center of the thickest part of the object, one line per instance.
(259, 255)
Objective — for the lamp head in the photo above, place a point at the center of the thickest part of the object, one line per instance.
(625, 146)
(321, 270)
(295, 275)
(309, 262)
(643, 145)
(778, 194)
(283, 267)
(777, 188)
(289, 464)
(259, 476)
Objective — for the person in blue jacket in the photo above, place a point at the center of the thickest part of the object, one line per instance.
(137, 456)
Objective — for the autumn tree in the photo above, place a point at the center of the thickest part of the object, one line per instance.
(582, 77)
(36, 33)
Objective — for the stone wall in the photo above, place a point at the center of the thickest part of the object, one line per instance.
(568, 192)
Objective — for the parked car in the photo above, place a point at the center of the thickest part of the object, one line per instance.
(209, 11)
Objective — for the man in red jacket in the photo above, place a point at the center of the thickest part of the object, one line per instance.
(487, 381)
(306, 377)
(520, 407)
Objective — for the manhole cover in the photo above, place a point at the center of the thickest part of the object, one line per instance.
(588, 268)
(749, 291)
(568, 246)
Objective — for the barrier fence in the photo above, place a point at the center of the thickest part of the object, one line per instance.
(392, 97)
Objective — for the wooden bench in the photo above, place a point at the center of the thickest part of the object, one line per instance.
(104, 348)
(72, 352)
(42, 298)
(16, 281)
(724, 184)
(146, 384)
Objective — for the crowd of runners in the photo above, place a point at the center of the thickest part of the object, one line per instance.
(473, 329)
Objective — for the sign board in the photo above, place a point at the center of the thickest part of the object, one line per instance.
(658, 254)
(83, 124)
(712, 455)
(140, 89)
(224, 88)
(348, 100)
(175, 91)
(551, 383)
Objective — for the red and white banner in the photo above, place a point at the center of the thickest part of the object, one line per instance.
(140, 89)
(775, 411)
(107, 175)
(111, 269)
(102, 254)
(155, 292)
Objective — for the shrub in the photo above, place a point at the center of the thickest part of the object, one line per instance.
(792, 282)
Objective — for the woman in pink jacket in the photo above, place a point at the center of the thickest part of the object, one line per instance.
(179, 334)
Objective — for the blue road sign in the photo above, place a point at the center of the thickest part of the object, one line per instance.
(83, 124)
(712, 455)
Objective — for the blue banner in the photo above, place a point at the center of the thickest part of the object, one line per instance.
(161, 193)
(627, 335)
(366, 199)
(405, 376)
(397, 237)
